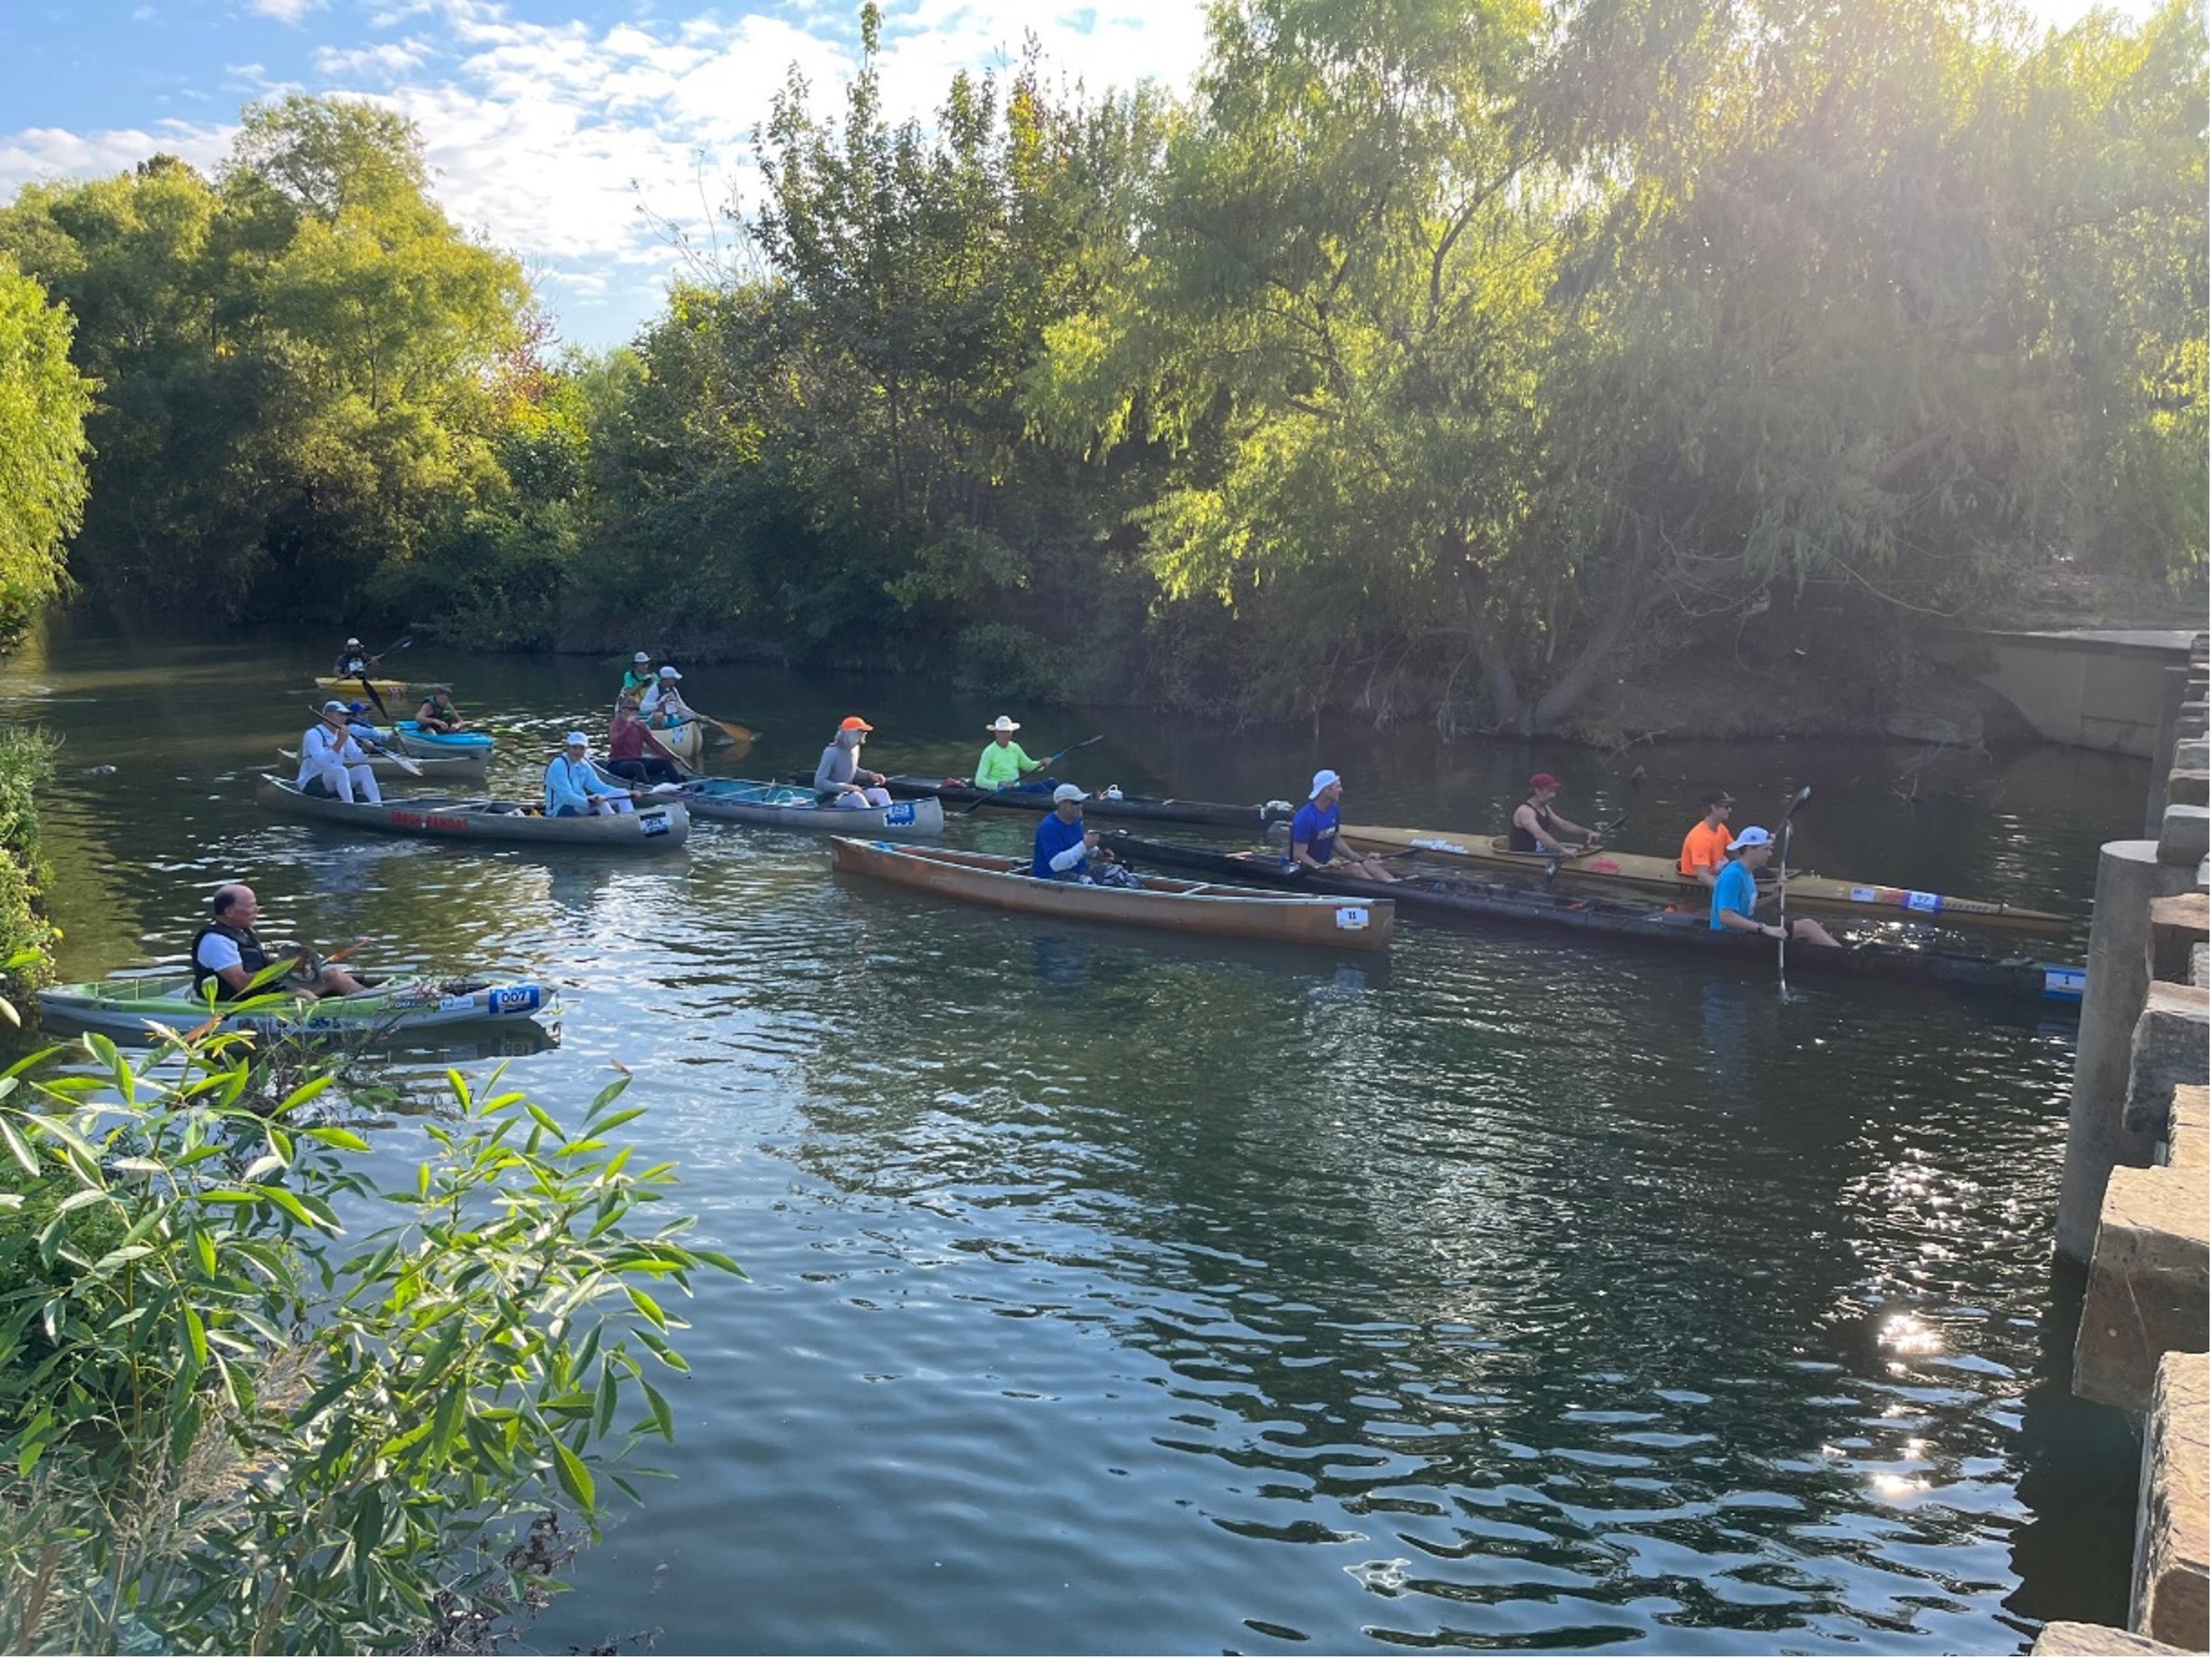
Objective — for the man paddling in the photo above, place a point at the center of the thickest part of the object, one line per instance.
(1065, 849)
(839, 779)
(639, 678)
(1538, 829)
(1705, 850)
(574, 788)
(437, 713)
(228, 954)
(1313, 836)
(1004, 763)
(331, 762)
(663, 705)
(352, 661)
(1735, 894)
(635, 753)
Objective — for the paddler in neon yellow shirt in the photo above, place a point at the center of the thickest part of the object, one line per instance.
(1003, 762)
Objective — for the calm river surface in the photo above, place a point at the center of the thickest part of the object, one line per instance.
(1114, 1293)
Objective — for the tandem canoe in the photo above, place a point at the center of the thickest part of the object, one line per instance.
(1038, 799)
(789, 807)
(1641, 873)
(686, 742)
(655, 825)
(466, 765)
(1473, 900)
(1163, 902)
(128, 1008)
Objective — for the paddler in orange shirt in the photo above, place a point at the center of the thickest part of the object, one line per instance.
(1705, 850)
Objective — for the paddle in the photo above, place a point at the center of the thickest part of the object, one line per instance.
(406, 764)
(1781, 882)
(987, 796)
(1552, 865)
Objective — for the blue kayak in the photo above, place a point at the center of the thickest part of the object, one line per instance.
(415, 741)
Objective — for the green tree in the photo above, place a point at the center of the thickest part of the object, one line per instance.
(43, 401)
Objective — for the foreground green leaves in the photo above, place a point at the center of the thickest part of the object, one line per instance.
(261, 1402)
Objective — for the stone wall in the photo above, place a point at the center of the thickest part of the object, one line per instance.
(2135, 1205)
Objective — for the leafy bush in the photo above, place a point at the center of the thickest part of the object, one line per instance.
(237, 1430)
(1013, 662)
(26, 937)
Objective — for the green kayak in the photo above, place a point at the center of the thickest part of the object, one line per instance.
(128, 1009)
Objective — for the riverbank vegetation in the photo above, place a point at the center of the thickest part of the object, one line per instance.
(260, 1401)
(1454, 361)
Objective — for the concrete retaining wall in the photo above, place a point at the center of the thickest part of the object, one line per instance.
(2136, 1202)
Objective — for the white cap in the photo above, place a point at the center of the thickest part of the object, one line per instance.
(670, 673)
(1753, 837)
(579, 738)
(1068, 792)
(1322, 780)
(642, 657)
(335, 707)
(1004, 725)
(351, 640)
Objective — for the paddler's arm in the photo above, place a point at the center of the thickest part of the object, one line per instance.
(1740, 924)
(1569, 826)
(1525, 816)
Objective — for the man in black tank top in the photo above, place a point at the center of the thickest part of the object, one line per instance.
(1538, 829)
(228, 953)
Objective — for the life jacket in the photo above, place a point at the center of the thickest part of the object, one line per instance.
(252, 957)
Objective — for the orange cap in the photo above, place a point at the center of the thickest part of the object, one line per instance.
(853, 723)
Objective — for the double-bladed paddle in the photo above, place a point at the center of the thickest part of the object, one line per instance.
(988, 796)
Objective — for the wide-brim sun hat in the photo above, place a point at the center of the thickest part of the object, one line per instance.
(1002, 723)
(642, 657)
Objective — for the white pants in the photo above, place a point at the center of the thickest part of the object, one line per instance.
(606, 806)
(347, 783)
(877, 797)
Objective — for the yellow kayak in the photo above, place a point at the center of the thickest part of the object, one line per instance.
(338, 687)
(1642, 873)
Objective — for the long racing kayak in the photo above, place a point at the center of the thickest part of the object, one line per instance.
(1642, 873)
(657, 825)
(1036, 797)
(128, 1007)
(1162, 901)
(790, 806)
(1471, 900)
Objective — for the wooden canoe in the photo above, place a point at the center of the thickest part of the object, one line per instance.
(1163, 902)
(789, 807)
(1642, 873)
(467, 765)
(652, 827)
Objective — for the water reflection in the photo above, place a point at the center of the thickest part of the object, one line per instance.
(1120, 1294)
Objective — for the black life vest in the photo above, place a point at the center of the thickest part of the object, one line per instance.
(350, 663)
(252, 957)
(1521, 841)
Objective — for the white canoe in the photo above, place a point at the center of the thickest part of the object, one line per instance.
(128, 1008)
(654, 827)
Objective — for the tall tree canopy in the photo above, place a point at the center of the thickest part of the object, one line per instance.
(43, 404)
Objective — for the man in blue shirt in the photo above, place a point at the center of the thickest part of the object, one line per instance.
(1064, 844)
(573, 786)
(1736, 893)
(1313, 836)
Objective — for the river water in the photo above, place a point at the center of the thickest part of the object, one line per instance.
(1113, 1293)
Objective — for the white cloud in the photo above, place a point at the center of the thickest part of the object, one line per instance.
(567, 141)
(389, 59)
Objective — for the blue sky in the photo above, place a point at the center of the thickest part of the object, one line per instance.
(571, 131)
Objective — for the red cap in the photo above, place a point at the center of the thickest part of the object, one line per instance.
(1543, 781)
(853, 723)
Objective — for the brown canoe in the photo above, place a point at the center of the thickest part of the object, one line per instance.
(1163, 902)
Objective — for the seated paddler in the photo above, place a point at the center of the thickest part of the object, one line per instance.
(1538, 829)
(1314, 847)
(839, 779)
(1004, 763)
(437, 713)
(228, 956)
(575, 787)
(1735, 894)
(332, 761)
(1064, 845)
